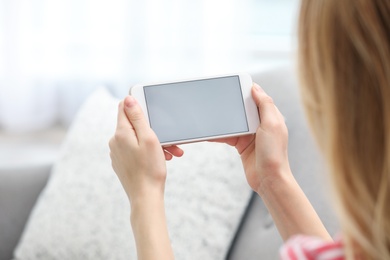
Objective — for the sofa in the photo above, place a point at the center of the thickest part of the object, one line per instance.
(255, 236)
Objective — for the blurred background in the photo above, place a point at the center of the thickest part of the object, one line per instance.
(54, 53)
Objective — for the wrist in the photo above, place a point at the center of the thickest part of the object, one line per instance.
(142, 190)
(147, 204)
(289, 207)
(275, 183)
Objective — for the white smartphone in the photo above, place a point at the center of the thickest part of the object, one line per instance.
(199, 109)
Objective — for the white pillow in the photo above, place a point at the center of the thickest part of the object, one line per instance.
(83, 212)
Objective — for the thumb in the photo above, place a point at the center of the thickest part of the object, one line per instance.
(265, 104)
(135, 115)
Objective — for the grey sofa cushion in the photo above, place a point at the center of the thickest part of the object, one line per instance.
(258, 237)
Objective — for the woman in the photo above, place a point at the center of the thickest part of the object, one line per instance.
(344, 56)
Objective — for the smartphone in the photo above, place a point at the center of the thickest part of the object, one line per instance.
(199, 109)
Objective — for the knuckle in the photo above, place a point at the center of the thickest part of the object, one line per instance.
(135, 114)
(274, 124)
(120, 136)
(267, 99)
(151, 139)
(111, 143)
(285, 130)
(113, 165)
(277, 127)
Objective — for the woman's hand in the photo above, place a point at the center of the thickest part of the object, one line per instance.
(139, 162)
(267, 170)
(136, 154)
(264, 155)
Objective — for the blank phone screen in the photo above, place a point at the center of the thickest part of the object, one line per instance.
(196, 109)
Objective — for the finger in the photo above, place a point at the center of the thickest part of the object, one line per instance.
(122, 120)
(174, 150)
(282, 117)
(168, 156)
(267, 110)
(135, 116)
(125, 132)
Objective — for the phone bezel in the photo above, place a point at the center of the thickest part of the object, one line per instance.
(251, 111)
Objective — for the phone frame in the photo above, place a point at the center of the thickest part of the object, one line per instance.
(251, 111)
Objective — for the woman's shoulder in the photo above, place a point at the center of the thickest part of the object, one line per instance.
(302, 247)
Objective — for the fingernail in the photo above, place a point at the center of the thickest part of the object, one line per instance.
(130, 101)
(257, 87)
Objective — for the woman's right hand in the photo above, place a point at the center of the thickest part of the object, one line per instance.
(264, 155)
(265, 160)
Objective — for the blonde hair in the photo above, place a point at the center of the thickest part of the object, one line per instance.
(344, 62)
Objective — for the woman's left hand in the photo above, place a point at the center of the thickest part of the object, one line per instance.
(136, 154)
(139, 162)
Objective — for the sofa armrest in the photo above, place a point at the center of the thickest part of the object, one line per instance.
(19, 190)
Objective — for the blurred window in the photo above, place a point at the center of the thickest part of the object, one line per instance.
(46, 44)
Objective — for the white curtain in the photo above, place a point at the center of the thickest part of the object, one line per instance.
(53, 53)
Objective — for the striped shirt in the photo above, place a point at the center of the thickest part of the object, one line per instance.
(312, 248)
